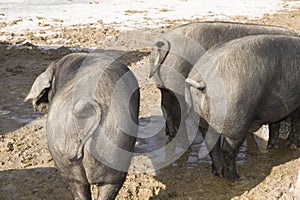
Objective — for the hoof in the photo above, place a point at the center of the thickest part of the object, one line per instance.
(219, 172)
(293, 147)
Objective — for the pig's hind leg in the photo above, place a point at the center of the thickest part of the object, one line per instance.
(230, 148)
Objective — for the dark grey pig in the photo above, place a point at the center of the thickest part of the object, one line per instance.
(176, 51)
(92, 120)
(240, 85)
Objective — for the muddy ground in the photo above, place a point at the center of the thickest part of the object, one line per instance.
(27, 170)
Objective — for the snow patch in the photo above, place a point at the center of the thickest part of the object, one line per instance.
(25, 15)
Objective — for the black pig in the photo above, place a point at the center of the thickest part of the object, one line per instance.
(92, 121)
(240, 85)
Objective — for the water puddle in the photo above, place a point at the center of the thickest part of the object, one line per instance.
(152, 143)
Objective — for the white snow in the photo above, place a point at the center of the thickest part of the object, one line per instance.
(32, 15)
(44, 18)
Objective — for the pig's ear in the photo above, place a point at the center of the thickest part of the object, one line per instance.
(41, 83)
(200, 85)
(158, 54)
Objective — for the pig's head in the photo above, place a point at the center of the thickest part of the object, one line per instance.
(40, 92)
